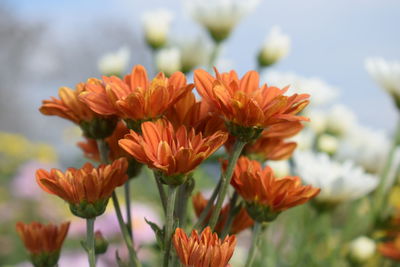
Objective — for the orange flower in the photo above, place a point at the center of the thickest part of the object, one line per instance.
(69, 106)
(43, 241)
(136, 98)
(174, 153)
(265, 195)
(243, 104)
(88, 189)
(240, 222)
(91, 150)
(391, 249)
(194, 114)
(204, 250)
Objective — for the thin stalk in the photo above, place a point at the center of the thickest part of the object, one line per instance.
(103, 150)
(210, 203)
(128, 208)
(226, 179)
(184, 192)
(169, 223)
(214, 55)
(256, 237)
(90, 241)
(133, 261)
(161, 191)
(232, 212)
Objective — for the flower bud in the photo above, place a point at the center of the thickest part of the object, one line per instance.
(361, 249)
(156, 26)
(168, 60)
(327, 143)
(276, 47)
(100, 243)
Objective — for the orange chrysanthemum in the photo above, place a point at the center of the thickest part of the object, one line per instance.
(240, 222)
(265, 195)
(242, 103)
(174, 153)
(391, 249)
(88, 189)
(204, 250)
(136, 98)
(43, 242)
(69, 106)
(91, 151)
(194, 114)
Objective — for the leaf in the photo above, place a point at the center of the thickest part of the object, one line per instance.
(158, 232)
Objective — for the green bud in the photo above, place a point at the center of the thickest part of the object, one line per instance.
(89, 210)
(98, 128)
(100, 243)
(219, 34)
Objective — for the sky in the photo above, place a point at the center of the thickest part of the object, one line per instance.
(330, 39)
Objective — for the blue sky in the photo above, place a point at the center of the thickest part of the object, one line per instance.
(330, 39)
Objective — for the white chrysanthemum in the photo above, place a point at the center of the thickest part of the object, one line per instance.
(338, 181)
(386, 74)
(327, 143)
(276, 46)
(168, 60)
(321, 93)
(281, 168)
(304, 139)
(366, 147)
(194, 53)
(219, 17)
(114, 63)
(156, 26)
(340, 120)
(362, 248)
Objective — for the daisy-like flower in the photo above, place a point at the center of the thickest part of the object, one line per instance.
(241, 220)
(339, 182)
(87, 190)
(265, 195)
(114, 63)
(174, 153)
(70, 107)
(219, 17)
(203, 250)
(246, 107)
(190, 60)
(156, 25)
(136, 99)
(391, 249)
(43, 242)
(168, 60)
(276, 46)
(362, 249)
(386, 74)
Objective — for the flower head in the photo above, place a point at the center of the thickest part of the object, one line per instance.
(175, 153)
(156, 26)
(204, 250)
(361, 249)
(114, 63)
(275, 47)
(244, 105)
(168, 60)
(136, 98)
(43, 242)
(386, 74)
(265, 195)
(339, 182)
(240, 222)
(391, 249)
(88, 189)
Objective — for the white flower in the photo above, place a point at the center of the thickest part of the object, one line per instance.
(156, 26)
(194, 53)
(321, 93)
(340, 120)
(114, 63)
(386, 74)
(338, 181)
(362, 248)
(366, 147)
(276, 46)
(328, 143)
(219, 17)
(168, 60)
(304, 139)
(281, 168)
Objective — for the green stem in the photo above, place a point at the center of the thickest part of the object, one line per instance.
(161, 190)
(226, 179)
(133, 261)
(128, 208)
(257, 230)
(90, 241)
(169, 223)
(103, 150)
(184, 193)
(214, 55)
(232, 213)
(210, 203)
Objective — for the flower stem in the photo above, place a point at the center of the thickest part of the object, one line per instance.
(161, 190)
(169, 222)
(214, 55)
(128, 208)
(90, 241)
(257, 230)
(210, 203)
(133, 261)
(103, 150)
(226, 179)
(232, 213)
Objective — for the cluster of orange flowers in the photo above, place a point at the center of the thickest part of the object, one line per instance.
(160, 123)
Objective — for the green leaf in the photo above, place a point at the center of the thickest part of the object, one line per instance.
(158, 232)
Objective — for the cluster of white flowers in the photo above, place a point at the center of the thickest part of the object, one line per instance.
(276, 46)
(339, 182)
(114, 63)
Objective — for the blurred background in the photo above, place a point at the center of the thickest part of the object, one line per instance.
(47, 44)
